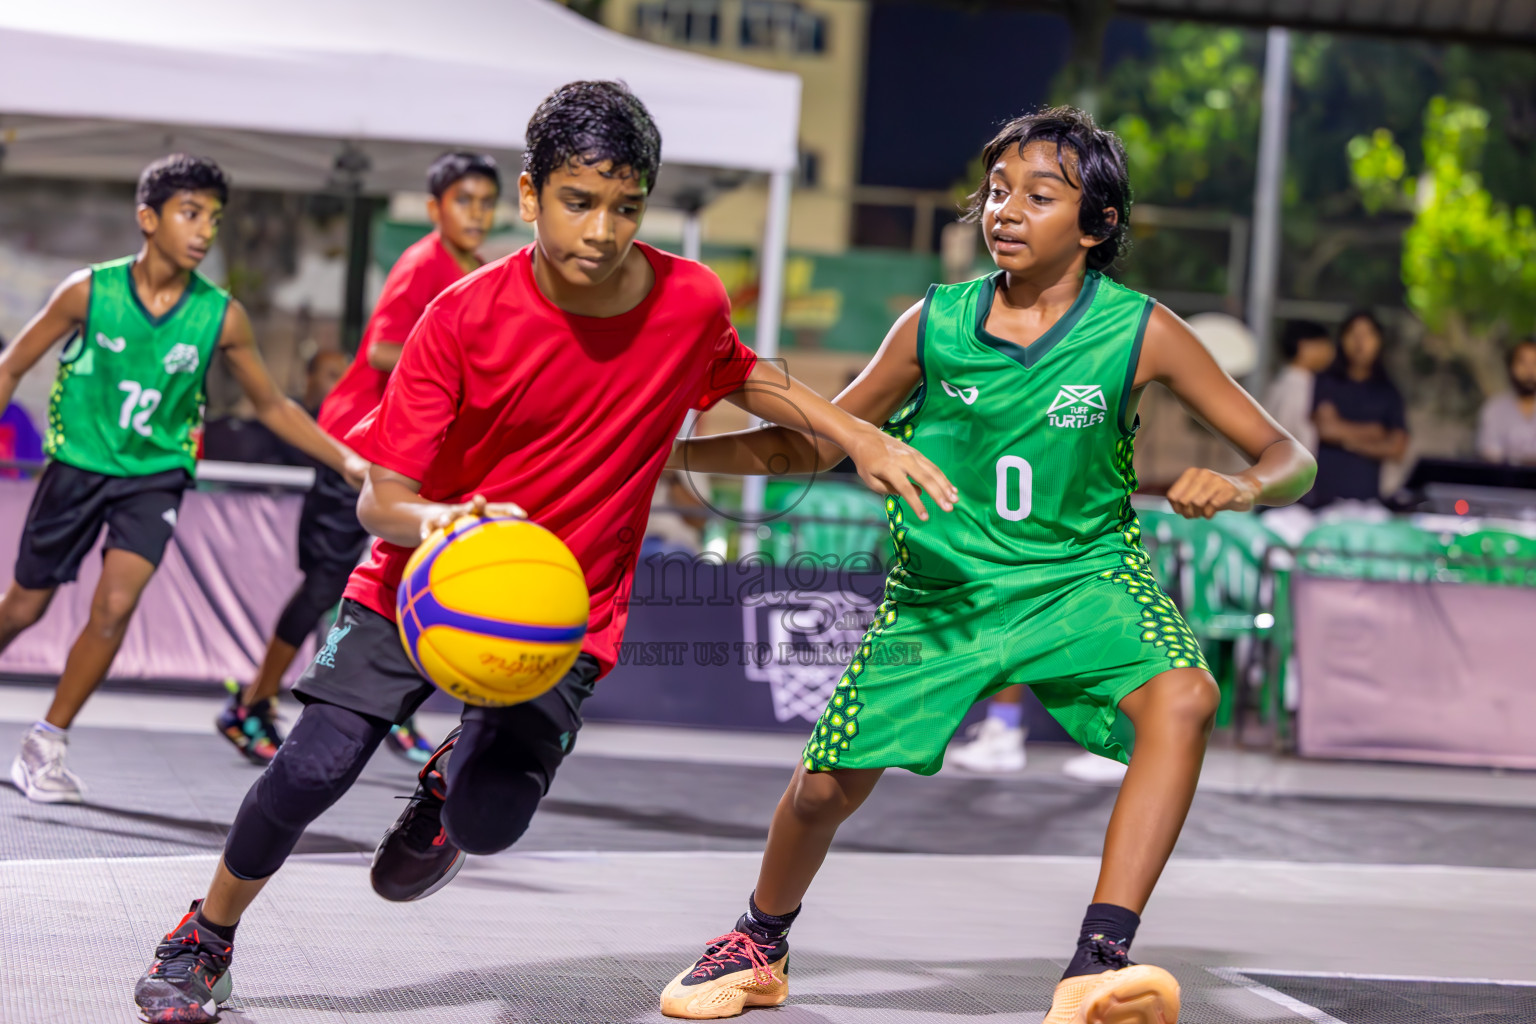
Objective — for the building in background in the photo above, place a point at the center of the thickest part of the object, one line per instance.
(822, 41)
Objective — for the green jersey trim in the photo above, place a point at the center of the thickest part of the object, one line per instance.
(1029, 356)
(922, 330)
(138, 301)
(1127, 429)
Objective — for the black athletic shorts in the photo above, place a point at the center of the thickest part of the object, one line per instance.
(363, 667)
(331, 540)
(69, 508)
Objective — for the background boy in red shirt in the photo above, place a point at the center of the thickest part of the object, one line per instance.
(557, 379)
(465, 188)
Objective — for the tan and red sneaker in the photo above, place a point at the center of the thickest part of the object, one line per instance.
(737, 970)
(1141, 994)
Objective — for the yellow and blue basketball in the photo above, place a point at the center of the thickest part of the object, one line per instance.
(493, 610)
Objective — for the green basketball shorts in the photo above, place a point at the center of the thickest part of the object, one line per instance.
(931, 654)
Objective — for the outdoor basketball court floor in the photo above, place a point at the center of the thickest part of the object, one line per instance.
(1280, 907)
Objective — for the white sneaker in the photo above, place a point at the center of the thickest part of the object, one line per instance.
(992, 747)
(39, 771)
(1086, 767)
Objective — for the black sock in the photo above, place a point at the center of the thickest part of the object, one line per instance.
(1104, 944)
(223, 931)
(764, 926)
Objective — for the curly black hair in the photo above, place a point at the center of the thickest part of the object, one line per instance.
(1100, 172)
(590, 123)
(180, 173)
(453, 167)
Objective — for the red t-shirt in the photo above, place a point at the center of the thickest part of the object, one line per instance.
(500, 392)
(418, 277)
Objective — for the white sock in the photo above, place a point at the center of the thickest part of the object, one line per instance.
(48, 727)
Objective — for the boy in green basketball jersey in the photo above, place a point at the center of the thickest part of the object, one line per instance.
(122, 433)
(1022, 388)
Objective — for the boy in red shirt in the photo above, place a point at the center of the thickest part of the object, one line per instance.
(556, 378)
(465, 188)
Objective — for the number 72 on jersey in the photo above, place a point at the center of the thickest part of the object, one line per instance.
(138, 407)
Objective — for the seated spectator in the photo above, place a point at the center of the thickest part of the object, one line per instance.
(1308, 351)
(1506, 428)
(1360, 418)
(19, 440)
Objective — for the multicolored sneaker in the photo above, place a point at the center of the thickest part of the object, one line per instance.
(253, 730)
(1139, 994)
(991, 748)
(406, 741)
(189, 978)
(39, 773)
(416, 858)
(737, 970)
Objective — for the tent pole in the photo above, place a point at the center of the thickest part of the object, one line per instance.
(693, 237)
(692, 246)
(1264, 267)
(770, 301)
(359, 251)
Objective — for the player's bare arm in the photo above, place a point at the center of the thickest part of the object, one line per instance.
(277, 412)
(1282, 469)
(846, 425)
(63, 314)
(391, 508)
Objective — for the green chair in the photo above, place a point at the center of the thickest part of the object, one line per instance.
(1392, 551)
(1495, 557)
(831, 517)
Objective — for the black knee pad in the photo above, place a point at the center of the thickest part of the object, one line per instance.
(494, 785)
(318, 762)
(321, 590)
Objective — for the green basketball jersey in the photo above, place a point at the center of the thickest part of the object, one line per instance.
(129, 399)
(1035, 438)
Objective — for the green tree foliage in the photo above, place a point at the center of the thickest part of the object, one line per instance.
(1468, 259)
(1188, 114)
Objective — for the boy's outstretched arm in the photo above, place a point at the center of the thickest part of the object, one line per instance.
(277, 412)
(65, 312)
(391, 508)
(1282, 469)
(813, 434)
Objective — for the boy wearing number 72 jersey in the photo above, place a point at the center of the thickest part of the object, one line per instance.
(122, 433)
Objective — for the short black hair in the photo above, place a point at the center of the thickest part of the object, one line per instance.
(1514, 351)
(454, 167)
(180, 173)
(1297, 331)
(589, 123)
(1101, 172)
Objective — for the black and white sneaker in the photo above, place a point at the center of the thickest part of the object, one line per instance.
(739, 969)
(189, 978)
(416, 858)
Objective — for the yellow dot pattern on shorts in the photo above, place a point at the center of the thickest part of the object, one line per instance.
(1161, 624)
(838, 725)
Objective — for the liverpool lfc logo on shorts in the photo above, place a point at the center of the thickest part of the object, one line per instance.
(1077, 405)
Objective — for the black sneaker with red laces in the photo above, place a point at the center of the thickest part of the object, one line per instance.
(416, 858)
(189, 978)
(739, 969)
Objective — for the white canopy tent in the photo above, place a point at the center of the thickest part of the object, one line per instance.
(359, 95)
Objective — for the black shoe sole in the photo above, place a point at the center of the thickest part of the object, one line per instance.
(453, 869)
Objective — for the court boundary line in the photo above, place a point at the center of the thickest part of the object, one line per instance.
(1237, 977)
(1425, 978)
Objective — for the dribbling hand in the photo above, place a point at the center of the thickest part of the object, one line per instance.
(1201, 493)
(355, 471)
(476, 506)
